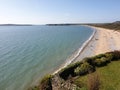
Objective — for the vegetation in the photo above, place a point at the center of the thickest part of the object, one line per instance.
(114, 25)
(108, 78)
(93, 82)
(69, 70)
(89, 64)
(89, 74)
(45, 84)
(84, 69)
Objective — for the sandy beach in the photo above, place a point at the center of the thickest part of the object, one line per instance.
(101, 41)
(104, 40)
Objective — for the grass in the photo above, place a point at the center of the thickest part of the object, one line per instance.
(100, 72)
(93, 82)
(109, 77)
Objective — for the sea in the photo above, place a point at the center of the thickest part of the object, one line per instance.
(27, 53)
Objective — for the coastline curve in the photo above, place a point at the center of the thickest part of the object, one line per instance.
(80, 50)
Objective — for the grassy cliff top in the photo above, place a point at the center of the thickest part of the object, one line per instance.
(100, 72)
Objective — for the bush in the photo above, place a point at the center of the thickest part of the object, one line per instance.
(89, 60)
(69, 70)
(84, 69)
(116, 55)
(101, 59)
(109, 57)
(97, 57)
(100, 62)
(100, 56)
(45, 83)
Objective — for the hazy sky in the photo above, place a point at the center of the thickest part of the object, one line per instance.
(58, 11)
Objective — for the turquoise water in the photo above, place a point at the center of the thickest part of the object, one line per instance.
(29, 52)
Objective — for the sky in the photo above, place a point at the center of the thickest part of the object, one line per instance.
(58, 11)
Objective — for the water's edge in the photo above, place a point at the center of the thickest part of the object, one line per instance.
(79, 51)
(71, 59)
(24, 61)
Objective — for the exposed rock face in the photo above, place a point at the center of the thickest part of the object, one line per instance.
(60, 84)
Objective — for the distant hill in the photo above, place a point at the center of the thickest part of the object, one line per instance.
(65, 24)
(114, 25)
(16, 25)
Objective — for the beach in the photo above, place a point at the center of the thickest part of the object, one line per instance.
(101, 41)
(104, 40)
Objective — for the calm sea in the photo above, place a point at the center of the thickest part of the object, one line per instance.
(29, 52)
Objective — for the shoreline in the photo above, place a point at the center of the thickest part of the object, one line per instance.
(72, 58)
(79, 51)
(105, 40)
(100, 41)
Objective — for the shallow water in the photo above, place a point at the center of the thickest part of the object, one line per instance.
(29, 52)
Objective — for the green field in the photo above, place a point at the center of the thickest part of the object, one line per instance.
(109, 77)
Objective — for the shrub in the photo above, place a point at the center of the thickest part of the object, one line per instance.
(45, 83)
(109, 57)
(100, 62)
(69, 70)
(84, 69)
(97, 57)
(89, 60)
(116, 55)
(101, 59)
(100, 56)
